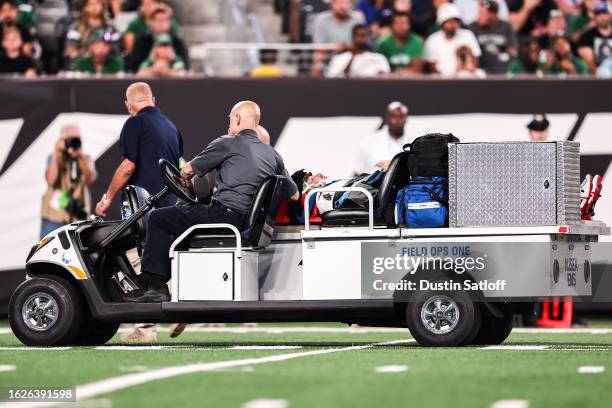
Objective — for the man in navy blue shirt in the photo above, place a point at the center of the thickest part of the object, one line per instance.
(146, 137)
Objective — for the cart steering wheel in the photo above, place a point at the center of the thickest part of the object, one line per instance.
(178, 185)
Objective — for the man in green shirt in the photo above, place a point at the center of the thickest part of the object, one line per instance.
(139, 26)
(25, 16)
(163, 60)
(402, 48)
(100, 59)
(562, 61)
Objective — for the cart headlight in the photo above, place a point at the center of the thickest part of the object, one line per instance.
(36, 247)
(44, 242)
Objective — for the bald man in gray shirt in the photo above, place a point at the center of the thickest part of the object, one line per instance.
(241, 162)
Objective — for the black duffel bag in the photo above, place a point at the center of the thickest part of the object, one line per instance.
(429, 155)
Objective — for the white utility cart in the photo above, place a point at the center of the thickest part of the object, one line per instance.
(358, 267)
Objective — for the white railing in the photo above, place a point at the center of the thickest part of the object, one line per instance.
(238, 58)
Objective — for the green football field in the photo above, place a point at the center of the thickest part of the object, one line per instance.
(321, 365)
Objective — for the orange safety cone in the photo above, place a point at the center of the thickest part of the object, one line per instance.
(555, 317)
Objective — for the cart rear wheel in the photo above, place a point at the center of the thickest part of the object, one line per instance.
(443, 318)
(494, 330)
(45, 311)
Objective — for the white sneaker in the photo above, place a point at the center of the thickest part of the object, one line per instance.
(139, 336)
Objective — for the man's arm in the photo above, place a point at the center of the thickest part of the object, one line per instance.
(120, 178)
(87, 167)
(519, 17)
(587, 54)
(52, 172)
(291, 191)
(214, 154)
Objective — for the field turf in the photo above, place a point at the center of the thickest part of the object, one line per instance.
(320, 365)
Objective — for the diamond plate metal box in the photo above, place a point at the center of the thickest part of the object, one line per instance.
(517, 184)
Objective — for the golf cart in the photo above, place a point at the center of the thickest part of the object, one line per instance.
(78, 273)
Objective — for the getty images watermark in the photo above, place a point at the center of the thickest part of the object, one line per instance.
(450, 259)
(495, 270)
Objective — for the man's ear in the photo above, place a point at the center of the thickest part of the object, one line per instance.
(238, 119)
(153, 99)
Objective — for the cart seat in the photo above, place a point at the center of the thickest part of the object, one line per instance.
(259, 222)
(396, 177)
(345, 217)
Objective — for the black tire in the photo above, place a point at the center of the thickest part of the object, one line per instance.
(466, 325)
(68, 311)
(96, 333)
(494, 330)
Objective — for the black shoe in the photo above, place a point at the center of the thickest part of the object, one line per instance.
(148, 296)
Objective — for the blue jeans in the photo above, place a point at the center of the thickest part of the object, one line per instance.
(47, 226)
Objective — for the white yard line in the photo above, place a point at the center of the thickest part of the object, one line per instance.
(283, 330)
(391, 369)
(577, 330)
(279, 347)
(350, 330)
(515, 347)
(266, 403)
(549, 347)
(113, 384)
(591, 369)
(516, 403)
(26, 348)
(7, 367)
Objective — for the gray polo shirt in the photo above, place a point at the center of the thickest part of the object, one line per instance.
(242, 163)
(326, 29)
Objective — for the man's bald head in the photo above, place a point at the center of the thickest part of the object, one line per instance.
(137, 96)
(244, 115)
(263, 134)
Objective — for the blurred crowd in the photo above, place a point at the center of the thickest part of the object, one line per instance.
(90, 42)
(357, 38)
(458, 38)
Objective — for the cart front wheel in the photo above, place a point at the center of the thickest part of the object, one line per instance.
(443, 318)
(45, 311)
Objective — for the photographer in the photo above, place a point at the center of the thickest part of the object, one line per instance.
(68, 175)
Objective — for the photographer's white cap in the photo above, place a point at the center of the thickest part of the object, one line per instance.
(397, 105)
(447, 11)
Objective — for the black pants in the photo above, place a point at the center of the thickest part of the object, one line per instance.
(166, 224)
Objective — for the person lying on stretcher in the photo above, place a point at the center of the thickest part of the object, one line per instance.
(293, 213)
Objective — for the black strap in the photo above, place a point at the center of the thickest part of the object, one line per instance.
(434, 196)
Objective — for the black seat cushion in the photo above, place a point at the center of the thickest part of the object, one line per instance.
(213, 240)
(345, 217)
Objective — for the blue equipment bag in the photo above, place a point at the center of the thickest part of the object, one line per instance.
(423, 203)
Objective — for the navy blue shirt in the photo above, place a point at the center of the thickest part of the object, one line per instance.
(146, 138)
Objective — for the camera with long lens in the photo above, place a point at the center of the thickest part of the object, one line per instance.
(76, 209)
(73, 143)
